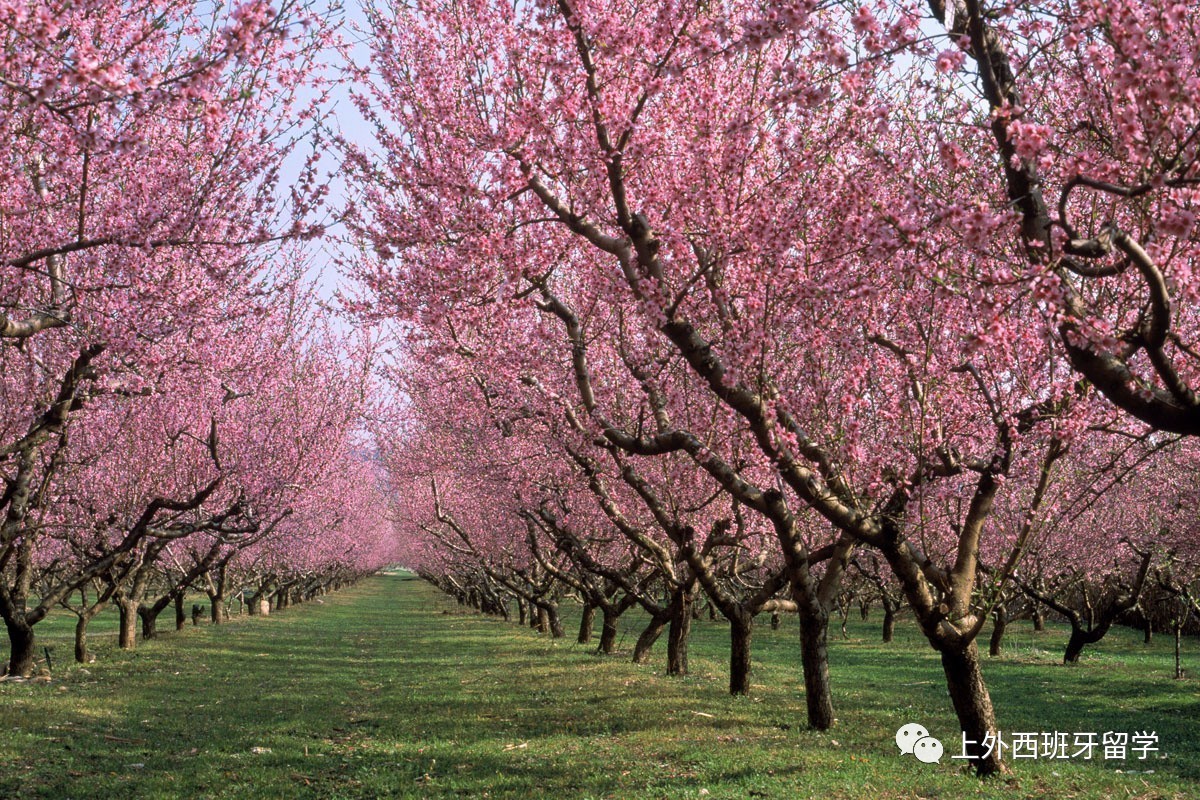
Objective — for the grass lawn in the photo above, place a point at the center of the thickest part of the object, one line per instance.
(387, 689)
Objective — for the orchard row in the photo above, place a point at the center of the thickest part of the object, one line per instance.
(742, 299)
(752, 301)
(176, 414)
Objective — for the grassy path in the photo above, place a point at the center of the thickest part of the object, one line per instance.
(387, 690)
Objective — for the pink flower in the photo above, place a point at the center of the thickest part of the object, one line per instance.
(949, 60)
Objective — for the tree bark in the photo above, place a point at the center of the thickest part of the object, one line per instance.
(1039, 621)
(20, 649)
(814, 659)
(556, 626)
(741, 633)
(683, 608)
(149, 619)
(585, 624)
(889, 623)
(645, 642)
(608, 633)
(127, 637)
(82, 656)
(973, 705)
(999, 623)
(254, 606)
(1080, 638)
(180, 613)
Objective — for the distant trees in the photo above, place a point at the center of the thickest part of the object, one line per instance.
(167, 396)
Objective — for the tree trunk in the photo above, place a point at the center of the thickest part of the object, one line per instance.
(814, 659)
(608, 633)
(522, 618)
(1080, 638)
(641, 650)
(585, 624)
(556, 626)
(127, 638)
(20, 649)
(775, 620)
(999, 623)
(683, 609)
(973, 705)
(741, 632)
(180, 613)
(149, 619)
(1039, 621)
(1147, 630)
(543, 620)
(82, 656)
(889, 622)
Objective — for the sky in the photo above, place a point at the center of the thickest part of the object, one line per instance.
(345, 120)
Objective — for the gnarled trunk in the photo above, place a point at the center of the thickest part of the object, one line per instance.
(641, 650)
(999, 624)
(20, 648)
(585, 623)
(149, 619)
(682, 608)
(82, 656)
(216, 601)
(1081, 638)
(814, 659)
(608, 633)
(889, 623)
(741, 632)
(556, 626)
(180, 613)
(127, 636)
(973, 705)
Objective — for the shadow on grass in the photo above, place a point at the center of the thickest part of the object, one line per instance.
(378, 693)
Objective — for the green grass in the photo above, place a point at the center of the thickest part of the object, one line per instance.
(386, 689)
